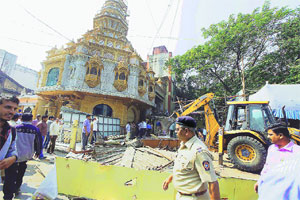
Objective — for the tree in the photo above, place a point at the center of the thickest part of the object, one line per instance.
(281, 65)
(262, 44)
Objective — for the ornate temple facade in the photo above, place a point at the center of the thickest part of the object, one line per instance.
(99, 74)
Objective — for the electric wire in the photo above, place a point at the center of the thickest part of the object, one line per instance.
(161, 24)
(152, 17)
(27, 42)
(39, 20)
(172, 26)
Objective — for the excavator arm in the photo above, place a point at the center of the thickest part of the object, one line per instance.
(195, 105)
(211, 124)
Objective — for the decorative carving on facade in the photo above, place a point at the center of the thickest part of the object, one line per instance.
(73, 105)
(93, 71)
(151, 92)
(121, 76)
(151, 78)
(142, 83)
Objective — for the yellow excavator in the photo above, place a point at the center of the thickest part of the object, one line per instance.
(243, 136)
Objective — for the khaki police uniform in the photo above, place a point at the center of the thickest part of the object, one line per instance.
(192, 171)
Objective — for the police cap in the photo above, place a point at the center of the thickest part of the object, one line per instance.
(186, 121)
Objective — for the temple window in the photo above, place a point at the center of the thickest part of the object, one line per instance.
(141, 83)
(103, 110)
(110, 44)
(71, 71)
(150, 89)
(117, 75)
(112, 24)
(122, 76)
(94, 71)
(28, 110)
(99, 72)
(52, 77)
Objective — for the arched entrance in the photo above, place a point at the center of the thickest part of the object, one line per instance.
(28, 110)
(103, 109)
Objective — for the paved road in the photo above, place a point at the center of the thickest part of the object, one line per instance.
(36, 169)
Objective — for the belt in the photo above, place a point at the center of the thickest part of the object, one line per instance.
(194, 194)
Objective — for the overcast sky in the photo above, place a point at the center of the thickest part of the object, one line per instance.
(179, 23)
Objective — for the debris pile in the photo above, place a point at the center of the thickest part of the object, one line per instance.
(147, 158)
(109, 155)
(142, 158)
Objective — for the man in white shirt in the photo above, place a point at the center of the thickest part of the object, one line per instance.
(54, 131)
(128, 131)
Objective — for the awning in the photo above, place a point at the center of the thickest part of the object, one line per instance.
(290, 114)
(279, 96)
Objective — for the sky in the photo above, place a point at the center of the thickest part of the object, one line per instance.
(30, 28)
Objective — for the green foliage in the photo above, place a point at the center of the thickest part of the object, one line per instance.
(265, 44)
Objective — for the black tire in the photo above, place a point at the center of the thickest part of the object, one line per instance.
(247, 153)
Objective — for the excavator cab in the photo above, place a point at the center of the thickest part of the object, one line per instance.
(255, 116)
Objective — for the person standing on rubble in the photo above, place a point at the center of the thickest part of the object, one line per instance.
(281, 152)
(28, 142)
(193, 174)
(8, 152)
(86, 131)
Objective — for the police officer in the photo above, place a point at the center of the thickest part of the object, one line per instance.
(193, 176)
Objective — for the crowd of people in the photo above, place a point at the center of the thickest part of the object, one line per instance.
(22, 139)
(139, 130)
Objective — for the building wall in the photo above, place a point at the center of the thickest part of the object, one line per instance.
(9, 86)
(157, 62)
(7, 62)
(25, 76)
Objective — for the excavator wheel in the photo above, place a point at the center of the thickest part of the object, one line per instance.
(247, 153)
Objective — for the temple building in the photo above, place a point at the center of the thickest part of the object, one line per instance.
(100, 74)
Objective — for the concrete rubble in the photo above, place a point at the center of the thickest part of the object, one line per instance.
(131, 154)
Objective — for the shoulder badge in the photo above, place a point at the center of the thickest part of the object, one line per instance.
(206, 165)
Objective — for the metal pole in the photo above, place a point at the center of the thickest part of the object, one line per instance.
(221, 145)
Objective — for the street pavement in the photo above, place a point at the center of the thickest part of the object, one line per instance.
(34, 176)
